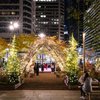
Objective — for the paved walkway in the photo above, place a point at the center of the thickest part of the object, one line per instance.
(46, 86)
(44, 95)
(39, 95)
(45, 81)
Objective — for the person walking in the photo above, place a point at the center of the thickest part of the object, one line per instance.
(80, 64)
(37, 69)
(52, 67)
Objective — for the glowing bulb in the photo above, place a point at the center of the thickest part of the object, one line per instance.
(41, 35)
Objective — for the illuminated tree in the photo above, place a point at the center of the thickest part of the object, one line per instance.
(13, 64)
(24, 41)
(72, 56)
(72, 61)
(3, 46)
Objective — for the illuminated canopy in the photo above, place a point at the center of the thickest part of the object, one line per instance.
(50, 46)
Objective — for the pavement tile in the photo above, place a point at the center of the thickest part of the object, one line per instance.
(38, 95)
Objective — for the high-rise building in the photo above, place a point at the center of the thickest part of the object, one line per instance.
(92, 27)
(50, 17)
(74, 18)
(21, 11)
(74, 15)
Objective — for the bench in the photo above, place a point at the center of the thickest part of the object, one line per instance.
(95, 94)
(95, 85)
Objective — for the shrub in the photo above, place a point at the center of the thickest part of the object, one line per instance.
(73, 78)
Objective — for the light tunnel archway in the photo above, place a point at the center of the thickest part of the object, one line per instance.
(52, 47)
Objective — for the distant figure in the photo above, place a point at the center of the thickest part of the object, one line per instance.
(34, 68)
(52, 67)
(37, 68)
(42, 67)
(45, 65)
(81, 64)
(66, 80)
(58, 69)
(49, 66)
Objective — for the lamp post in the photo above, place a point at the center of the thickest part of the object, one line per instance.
(13, 25)
(84, 51)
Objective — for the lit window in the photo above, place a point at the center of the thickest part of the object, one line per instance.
(13, 13)
(39, 6)
(43, 16)
(55, 22)
(57, 19)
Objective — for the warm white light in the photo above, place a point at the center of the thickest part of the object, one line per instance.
(41, 35)
(11, 22)
(15, 24)
(11, 27)
(7, 49)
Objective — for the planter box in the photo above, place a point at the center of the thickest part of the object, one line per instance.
(5, 86)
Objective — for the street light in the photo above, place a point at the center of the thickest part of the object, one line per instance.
(13, 25)
(16, 25)
(41, 35)
(84, 51)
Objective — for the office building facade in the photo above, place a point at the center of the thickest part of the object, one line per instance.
(50, 17)
(74, 15)
(21, 11)
(92, 28)
(74, 18)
